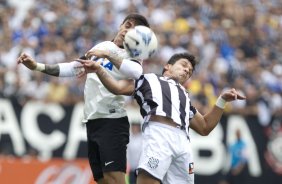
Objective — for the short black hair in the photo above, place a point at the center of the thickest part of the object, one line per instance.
(138, 19)
(191, 58)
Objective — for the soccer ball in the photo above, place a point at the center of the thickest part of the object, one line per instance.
(140, 42)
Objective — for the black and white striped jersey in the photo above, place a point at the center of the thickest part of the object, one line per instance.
(158, 95)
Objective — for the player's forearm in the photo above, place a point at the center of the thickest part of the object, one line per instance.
(117, 87)
(108, 81)
(59, 70)
(53, 70)
(204, 124)
(212, 118)
(114, 57)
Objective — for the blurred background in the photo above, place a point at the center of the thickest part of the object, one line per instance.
(238, 44)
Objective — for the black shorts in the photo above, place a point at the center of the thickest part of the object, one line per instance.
(107, 142)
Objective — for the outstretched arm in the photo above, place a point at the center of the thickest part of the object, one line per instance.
(70, 69)
(30, 63)
(204, 124)
(117, 87)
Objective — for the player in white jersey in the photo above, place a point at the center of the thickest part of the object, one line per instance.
(104, 113)
(165, 105)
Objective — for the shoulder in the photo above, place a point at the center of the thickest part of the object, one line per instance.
(134, 61)
(150, 75)
(105, 45)
(146, 79)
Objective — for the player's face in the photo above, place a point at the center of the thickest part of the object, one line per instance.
(181, 70)
(127, 25)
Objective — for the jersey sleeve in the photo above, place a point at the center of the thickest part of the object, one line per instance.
(71, 69)
(131, 68)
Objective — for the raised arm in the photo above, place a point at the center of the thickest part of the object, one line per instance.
(117, 87)
(204, 124)
(131, 68)
(70, 69)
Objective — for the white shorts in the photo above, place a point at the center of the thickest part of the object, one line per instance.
(166, 154)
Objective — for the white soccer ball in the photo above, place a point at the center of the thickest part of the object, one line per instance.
(140, 42)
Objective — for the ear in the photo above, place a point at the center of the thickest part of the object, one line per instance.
(167, 67)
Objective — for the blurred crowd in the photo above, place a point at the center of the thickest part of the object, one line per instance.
(238, 43)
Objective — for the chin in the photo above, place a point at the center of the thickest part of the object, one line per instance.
(182, 80)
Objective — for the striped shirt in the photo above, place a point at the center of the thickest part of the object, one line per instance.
(162, 96)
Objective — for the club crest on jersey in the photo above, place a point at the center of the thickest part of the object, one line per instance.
(191, 168)
(153, 163)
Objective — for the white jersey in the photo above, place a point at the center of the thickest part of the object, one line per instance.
(98, 101)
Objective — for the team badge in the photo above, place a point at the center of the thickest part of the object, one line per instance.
(153, 163)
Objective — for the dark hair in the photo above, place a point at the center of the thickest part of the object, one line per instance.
(137, 18)
(184, 55)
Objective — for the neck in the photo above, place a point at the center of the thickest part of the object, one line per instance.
(171, 77)
(166, 74)
(115, 42)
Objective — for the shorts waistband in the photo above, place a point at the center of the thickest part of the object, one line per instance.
(164, 120)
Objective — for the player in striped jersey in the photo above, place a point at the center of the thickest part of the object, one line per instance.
(165, 105)
(104, 113)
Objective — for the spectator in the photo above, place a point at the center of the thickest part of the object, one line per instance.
(239, 159)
